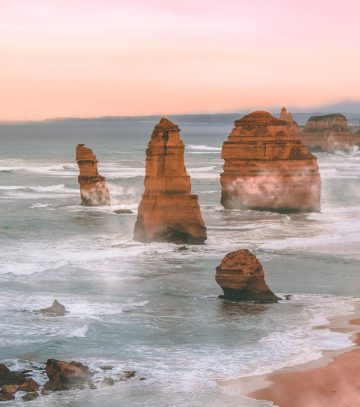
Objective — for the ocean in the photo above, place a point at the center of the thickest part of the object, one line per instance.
(152, 307)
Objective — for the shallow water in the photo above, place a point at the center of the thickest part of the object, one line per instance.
(152, 307)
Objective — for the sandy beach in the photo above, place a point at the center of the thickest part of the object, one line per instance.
(331, 381)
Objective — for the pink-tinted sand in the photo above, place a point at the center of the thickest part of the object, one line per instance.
(335, 385)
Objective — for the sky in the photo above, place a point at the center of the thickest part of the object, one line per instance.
(86, 58)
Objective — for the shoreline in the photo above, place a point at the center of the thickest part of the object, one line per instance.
(329, 381)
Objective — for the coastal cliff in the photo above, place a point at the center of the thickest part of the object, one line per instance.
(267, 167)
(168, 211)
(93, 189)
(328, 133)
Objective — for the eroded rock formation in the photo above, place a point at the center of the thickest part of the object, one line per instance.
(268, 168)
(168, 210)
(328, 133)
(93, 189)
(241, 276)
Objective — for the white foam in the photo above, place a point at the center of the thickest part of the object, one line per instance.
(203, 147)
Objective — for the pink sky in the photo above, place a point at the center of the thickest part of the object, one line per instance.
(62, 58)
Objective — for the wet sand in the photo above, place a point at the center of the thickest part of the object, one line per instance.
(331, 381)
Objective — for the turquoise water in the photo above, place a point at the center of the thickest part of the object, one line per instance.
(152, 307)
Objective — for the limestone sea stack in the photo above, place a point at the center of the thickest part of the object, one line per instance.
(93, 189)
(241, 276)
(267, 167)
(286, 116)
(168, 211)
(328, 133)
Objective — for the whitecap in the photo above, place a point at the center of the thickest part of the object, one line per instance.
(203, 147)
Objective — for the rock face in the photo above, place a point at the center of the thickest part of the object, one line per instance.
(168, 210)
(268, 168)
(241, 276)
(56, 310)
(93, 189)
(65, 376)
(328, 133)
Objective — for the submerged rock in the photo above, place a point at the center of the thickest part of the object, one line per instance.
(168, 210)
(30, 396)
(121, 211)
(267, 167)
(241, 276)
(56, 310)
(109, 381)
(328, 133)
(65, 376)
(93, 189)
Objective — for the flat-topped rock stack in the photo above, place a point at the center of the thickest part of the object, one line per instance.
(93, 189)
(168, 211)
(328, 133)
(267, 167)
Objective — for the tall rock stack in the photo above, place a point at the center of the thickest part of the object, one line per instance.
(168, 211)
(328, 133)
(93, 189)
(286, 116)
(268, 168)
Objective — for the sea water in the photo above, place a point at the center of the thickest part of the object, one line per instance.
(154, 308)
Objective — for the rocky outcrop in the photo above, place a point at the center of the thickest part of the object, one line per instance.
(241, 276)
(328, 133)
(65, 376)
(93, 189)
(168, 210)
(11, 382)
(268, 168)
(56, 310)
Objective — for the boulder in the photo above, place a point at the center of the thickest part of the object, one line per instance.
(29, 386)
(168, 210)
(328, 133)
(93, 189)
(267, 167)
(241, 276)
(65, 376)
